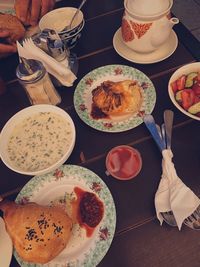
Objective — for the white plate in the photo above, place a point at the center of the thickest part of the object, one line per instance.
(81, 251)
(115, 73)
(160, 54)
(5, 246)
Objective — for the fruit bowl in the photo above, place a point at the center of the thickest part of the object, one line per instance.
(184, 89)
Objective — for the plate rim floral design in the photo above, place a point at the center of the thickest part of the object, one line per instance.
(118, 72)
(72, 174)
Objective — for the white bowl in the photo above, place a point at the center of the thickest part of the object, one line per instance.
(59, 18)
(186, 69)
(52, 145)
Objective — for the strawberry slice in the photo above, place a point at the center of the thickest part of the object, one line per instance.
(196, 88)
(188, 98)
(174, 87)
(181, 82)
(196, 99)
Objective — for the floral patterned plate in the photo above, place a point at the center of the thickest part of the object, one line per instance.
(83, 97)
(58, 188)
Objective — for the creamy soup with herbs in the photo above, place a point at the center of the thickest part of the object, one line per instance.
(39, 141)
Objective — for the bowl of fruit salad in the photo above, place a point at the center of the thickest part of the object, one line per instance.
(184, 89)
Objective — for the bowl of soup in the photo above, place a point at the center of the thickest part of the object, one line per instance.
(37, 140)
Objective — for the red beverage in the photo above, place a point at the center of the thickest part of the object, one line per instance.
(123, 162)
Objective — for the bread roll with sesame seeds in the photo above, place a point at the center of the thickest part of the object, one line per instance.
(13, 25)
(39, 233)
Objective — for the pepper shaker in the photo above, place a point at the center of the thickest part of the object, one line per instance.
(36, 82)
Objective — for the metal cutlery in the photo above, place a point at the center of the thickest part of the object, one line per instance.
(163, 132)
(67, 28)
(193, 221)
(162, 136)
(151, 125)
(159, 135)
(167, 134)
(168, 123)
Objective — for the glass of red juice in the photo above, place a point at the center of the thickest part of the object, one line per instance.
(123, 162)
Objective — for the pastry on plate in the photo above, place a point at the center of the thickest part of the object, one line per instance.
(39, 233)
(118, 98)
(13, 25)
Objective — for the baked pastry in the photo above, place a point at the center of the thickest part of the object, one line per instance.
(13, 25)
(39, 233)
(118, 98)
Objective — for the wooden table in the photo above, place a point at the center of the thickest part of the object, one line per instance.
(139, 240)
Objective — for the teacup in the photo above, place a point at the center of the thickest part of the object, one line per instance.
(123, 162)
(60, 18)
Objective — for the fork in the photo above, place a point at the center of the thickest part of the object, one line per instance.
(193, 221)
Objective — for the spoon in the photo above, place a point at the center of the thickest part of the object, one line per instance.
(67, 28)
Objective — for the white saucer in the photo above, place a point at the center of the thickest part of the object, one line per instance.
(160, 54)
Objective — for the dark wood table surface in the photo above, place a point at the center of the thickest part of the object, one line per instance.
(139, 240)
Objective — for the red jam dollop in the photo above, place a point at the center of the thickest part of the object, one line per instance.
(90, 210)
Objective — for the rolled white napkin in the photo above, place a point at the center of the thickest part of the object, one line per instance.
(57, 69)
(172, 194)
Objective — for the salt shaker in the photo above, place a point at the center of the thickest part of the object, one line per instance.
(36, 82)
